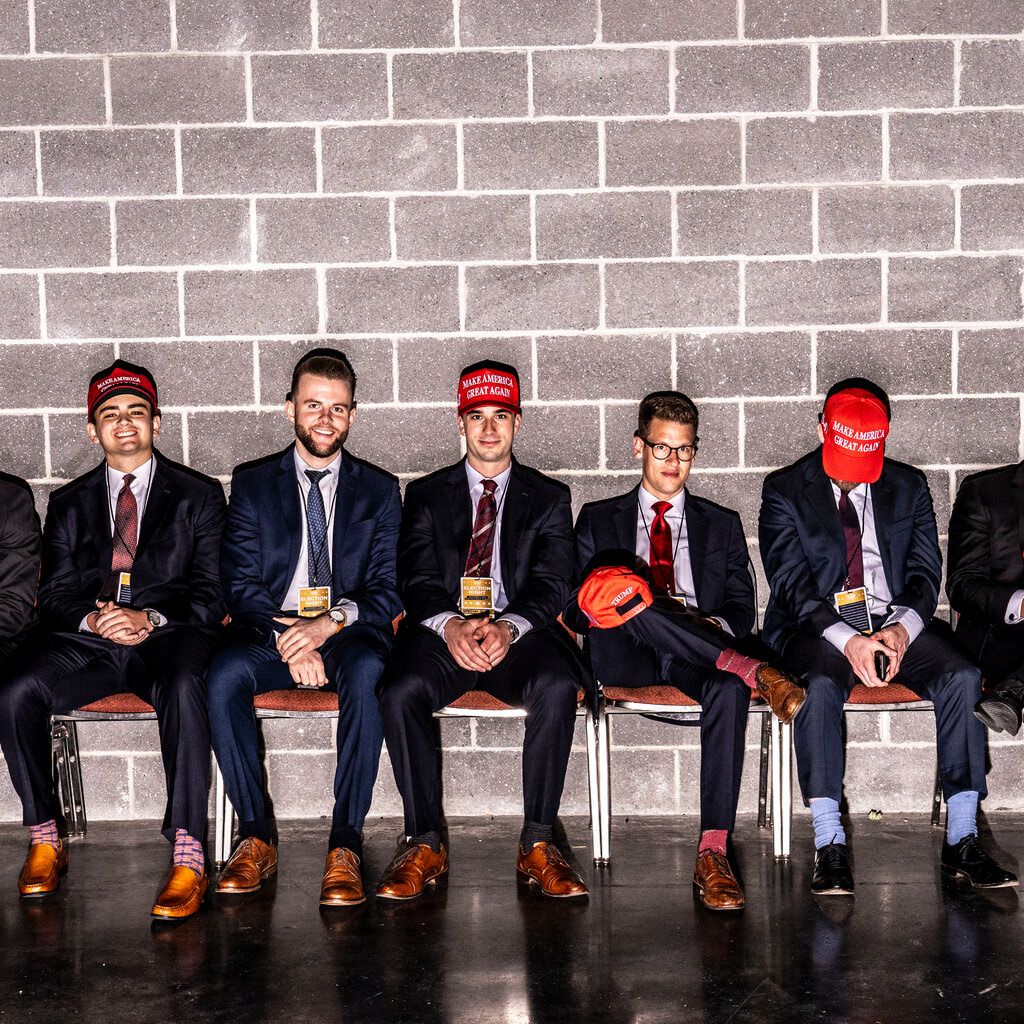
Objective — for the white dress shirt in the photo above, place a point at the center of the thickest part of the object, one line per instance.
(879, 593)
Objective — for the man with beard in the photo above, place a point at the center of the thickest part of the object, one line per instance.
(308, 565)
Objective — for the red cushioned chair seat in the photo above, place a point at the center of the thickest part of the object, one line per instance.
(480, 700)
(119, 704)
(893, 693)
(668, 696)
(297, 700)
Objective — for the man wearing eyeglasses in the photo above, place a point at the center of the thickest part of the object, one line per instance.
(695, 556)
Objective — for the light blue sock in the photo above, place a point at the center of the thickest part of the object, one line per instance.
(825, 818)
(961, 816)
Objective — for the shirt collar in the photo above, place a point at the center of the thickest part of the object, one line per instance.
(475, 478)
(647, 501)
(142, 474)
(333, 467)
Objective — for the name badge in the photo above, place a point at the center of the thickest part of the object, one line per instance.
(852, 606)
(477, 595)
(124, 588)
(680, 598)
(314, 601)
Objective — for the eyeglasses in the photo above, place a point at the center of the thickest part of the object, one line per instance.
(685, 452)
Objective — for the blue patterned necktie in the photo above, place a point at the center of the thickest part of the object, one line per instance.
(319, 559)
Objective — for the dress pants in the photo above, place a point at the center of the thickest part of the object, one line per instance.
(353, 661)
(56, 672)
(540, 673)
(658, 646)
(932, 668)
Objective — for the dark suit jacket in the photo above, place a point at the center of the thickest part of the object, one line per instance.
(717, 550)
(175, 569)
(986, 558)
(19, 559)
(804, 553)
(264, 532)
(536, 544)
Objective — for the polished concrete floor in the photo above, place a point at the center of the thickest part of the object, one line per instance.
(483, 949)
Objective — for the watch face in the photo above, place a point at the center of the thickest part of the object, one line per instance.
(154, 619)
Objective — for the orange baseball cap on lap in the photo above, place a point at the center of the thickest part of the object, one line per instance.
(612, 595)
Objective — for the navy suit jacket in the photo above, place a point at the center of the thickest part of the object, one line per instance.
(986, 557)
(19, 559)
(804, 551)
(175, 567)
(536, 544)
(264, 532)
(717, 551)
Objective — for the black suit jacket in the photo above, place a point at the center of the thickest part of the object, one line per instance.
(804, 552)
(986, 557)
(717, 551)
(19, 559)
(175, 568)
(264, 532)
(536, 544)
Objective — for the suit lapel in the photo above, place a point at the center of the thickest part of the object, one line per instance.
(1017, 491)
(344, 513)
(157, 505)
(287, 491)
(696, 541)
(96, 512)
(513, 518)
(883, 508)
(624, 520)
(460, 522)
(830, 531)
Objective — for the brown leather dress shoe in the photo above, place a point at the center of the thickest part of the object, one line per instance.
(715, 883)
(412, 868)
(343, 884)
(43, 867)
(182, 893)
(780, 692)
(545, 866)
(252, 861)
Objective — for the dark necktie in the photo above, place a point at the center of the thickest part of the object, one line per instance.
(852, 534)
(662, 571)
(481, 544)
(319, 558)
(126, 538)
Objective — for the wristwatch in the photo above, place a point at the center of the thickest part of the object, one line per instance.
(338, 616)
(153, 616)
(513, 630)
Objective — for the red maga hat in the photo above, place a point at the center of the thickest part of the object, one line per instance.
(856, 424)
(489, 383)
(612, 595)
(122, 378)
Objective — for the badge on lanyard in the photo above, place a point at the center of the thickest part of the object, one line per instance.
(124, 588)
(680, 598)
(314, 601)
(852, 606)
(477, 595)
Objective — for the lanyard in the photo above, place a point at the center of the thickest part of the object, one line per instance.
(317, 552)
(110, 505)
(860, 539)
(473, 549)
(679, 537)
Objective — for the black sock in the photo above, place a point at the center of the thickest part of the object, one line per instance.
(431, 839)
(533, 833)
(257, 829)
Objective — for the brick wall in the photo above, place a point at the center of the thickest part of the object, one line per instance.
(745, 199)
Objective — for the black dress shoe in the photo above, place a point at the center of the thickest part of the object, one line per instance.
(832, 874)
(969, 860)
(1000, 710)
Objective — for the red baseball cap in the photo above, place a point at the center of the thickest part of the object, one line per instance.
(856, 424)
(612, 595)
(489, 383)
(121, 378)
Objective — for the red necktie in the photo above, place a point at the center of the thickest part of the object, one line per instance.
(852, 534)
(126, 533)
(661, 551)
(481, 544)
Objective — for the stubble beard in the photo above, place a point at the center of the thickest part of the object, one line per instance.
(317, 449)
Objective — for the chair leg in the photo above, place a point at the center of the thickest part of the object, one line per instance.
(224, 821)
(782, 787)
(594, 781)
(937, 800)
(67, 772)
(762, 789)
(604, 786)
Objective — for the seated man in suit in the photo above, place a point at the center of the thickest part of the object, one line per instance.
(19, 562)
(985, 584)
(484, 536)
(849, 544)
(308, 565)
(696, 555)
(129, 599)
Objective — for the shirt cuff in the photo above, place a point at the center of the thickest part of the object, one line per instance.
(83, 626)
(350, 608)
(1013, 616)
(838, 635)
(523, 626)
(908, 619)
(161, 618)
(436, 623)
(723, 624)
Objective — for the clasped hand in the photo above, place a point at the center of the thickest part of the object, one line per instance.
(298, 645)
(477, 645)
(892, 641)
(125, 626)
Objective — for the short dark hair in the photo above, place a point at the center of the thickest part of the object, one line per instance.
(865, 385)
(324, 362)
(666, 405)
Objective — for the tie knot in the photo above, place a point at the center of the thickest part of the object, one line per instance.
(316, 475)
(490, 486)
(129, 479)
(661, 507)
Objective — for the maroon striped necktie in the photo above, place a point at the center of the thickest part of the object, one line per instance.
(662, 572)
(852, 535)
(126, 534)
(481, 544)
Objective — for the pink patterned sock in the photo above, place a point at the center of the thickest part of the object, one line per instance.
(46, 834)
(713, 840)
(188, 852)
(739, 665)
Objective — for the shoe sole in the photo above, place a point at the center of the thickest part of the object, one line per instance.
(961, 877)
(1003, 720)
(837, 891)
(528, 879)
(433, 880)
(342, 903)
(698, 892)
(232, 890)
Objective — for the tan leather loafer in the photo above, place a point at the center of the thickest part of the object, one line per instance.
(715, 883)
(413, 868)
(182, 893)
(252, 861)
(780, 692)
(545, 866)
(43, 867)
(343, 883)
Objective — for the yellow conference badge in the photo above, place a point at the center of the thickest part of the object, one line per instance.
(314, 601)
(852, 606)
(477, 595)
(124, 588)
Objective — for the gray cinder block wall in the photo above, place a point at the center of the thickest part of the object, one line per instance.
(745, 199)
